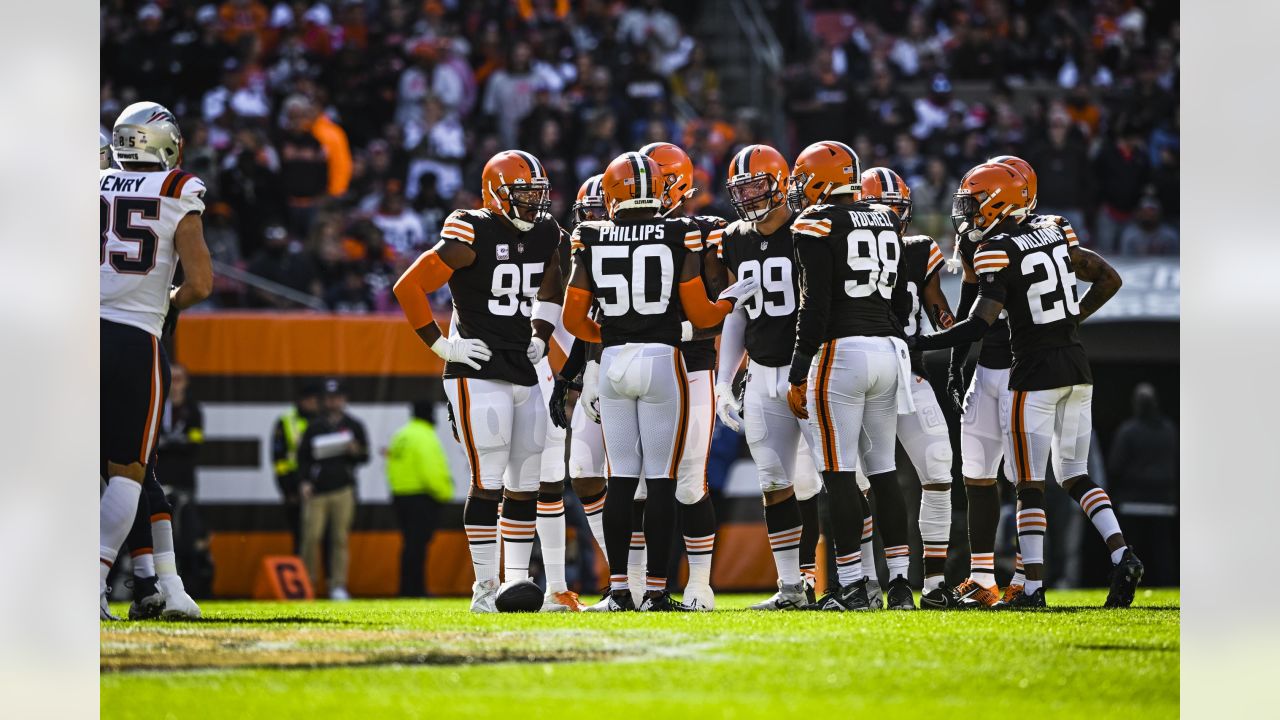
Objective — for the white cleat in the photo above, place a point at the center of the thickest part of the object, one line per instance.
(484, 595)
(699, 597)
(874, 597)
(788, 597)
(340, 594)
(178, 605)
(611, 603)
(104, 609)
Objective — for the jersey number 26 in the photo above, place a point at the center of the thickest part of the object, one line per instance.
(1052, 298)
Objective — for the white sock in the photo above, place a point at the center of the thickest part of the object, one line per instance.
(618, 582)
(636, 556)
(982, 569)
(162, 538)
(1118, 554)
(517, 548)
(595, 520)
(849, 568)
(483, 543)
(786, 554)
(699, 550)
(144, 565)
(1096, 505)
(1032, 525)
(550, 525)
(935, 533)
(116, 509)
(1019, 572)
(898, 559)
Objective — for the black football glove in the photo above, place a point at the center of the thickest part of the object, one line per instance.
(453, 424)
(955, 388)
(556, 405)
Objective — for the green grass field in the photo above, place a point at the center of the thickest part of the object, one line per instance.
(433, 659)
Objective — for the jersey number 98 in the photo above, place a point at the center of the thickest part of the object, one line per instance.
(873, 258)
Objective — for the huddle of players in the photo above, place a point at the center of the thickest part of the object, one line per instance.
(819, 286)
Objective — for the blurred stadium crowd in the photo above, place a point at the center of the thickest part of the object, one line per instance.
(335, 136)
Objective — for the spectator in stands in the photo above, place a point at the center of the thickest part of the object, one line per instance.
(284, 262)
(286, 435)
(1062, 168)
(304, 167)
(400, 226)
(1143, 467)
(333, 446)
(1148, 235)
(352, 296)
(509, 93)
(420, 483)
(1120, 172)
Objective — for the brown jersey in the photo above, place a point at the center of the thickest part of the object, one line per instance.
(701, 354)
(493, 296)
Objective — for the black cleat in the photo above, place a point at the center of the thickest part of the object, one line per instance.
(148, 601)
(660, 601)
(1125, 577)
(1020, 600)
(898, 595)
(619, 601)
(850, 597)
(810, 596)
(940, 598)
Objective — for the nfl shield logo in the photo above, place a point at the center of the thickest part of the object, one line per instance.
(504, 252)
(764, 244)
(520, 248)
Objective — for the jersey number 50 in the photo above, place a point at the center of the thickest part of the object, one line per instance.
(616, 295)
(514, 287)
(873, 258)
(1046, 297)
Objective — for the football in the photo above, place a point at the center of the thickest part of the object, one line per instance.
(519, 596)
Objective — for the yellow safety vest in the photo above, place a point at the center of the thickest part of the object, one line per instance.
(294, 425)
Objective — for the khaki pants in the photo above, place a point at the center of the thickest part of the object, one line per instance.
(337, 510)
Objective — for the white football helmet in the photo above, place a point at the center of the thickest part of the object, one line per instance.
(147, 132)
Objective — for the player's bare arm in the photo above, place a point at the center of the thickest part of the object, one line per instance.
(197, 267)
(1104, 280)
(935, 301)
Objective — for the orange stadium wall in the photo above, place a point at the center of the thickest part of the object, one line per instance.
(245, 369)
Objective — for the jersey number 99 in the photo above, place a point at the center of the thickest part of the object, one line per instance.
(777, 295)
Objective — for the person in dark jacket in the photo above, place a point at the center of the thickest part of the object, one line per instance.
(1143, 471)
(333, 446)
(286, 435)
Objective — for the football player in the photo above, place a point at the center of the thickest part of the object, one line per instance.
(759, 245)
(631, 266)
(497, 262)
(150, 219)
(698, 519)
(1030, 270)
(849, 253)
(923, 433)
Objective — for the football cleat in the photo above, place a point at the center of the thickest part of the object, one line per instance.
(616, 601)
(810, 582)
(699, 597)
(484, 596)
(661, 601)
(898, 596)
(1010, 591)
(178, 605)
(1125, 577)
(788, 597)
(566, 601)
(940, 598)
(340, 594)
(104, 608)
(874, 597)
(850, 597)
(148, 601)
(974, 596)
(1019, 600)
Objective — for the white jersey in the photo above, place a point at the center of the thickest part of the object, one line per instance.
(140, 212)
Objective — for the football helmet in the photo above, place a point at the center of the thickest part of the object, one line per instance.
(632, 181)
(677, 173)
(988, 193)
(888, 188)
(823, 169)
(104, 150)
(1028, 174)
(757, 182)
(147, 132)
(515, 185)
(590, 202)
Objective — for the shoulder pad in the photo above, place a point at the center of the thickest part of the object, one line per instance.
(460, 225)
(711, 220)
(177, 182)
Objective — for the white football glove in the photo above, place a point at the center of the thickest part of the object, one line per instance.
(537, 348)
(686, 331)
(740, 291)
(467, 351)
(590, 397)
(727, 407)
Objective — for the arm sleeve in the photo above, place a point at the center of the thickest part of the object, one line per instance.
(575, 361)
(968, 296)
(574, 317)
(702, 312)
(426, 275)
(815, 303)
(732, 346)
